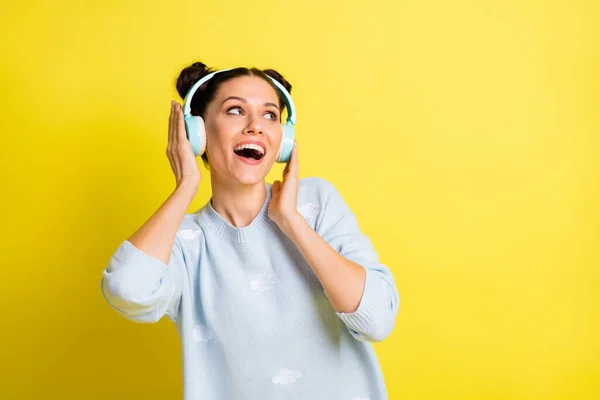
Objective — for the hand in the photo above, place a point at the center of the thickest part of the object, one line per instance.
(179, 150)
(282, 207)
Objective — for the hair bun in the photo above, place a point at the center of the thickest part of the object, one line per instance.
(189, 76)
(279, 78)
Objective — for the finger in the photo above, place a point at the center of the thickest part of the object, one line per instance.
(176, 138)
(181, 135)
(293, 164)
(285, 171)
(172, 146)
(171, 119)
(174, 164)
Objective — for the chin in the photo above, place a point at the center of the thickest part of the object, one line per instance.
(249, 179)
(251, 175)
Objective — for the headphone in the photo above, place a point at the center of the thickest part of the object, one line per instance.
(196, 133)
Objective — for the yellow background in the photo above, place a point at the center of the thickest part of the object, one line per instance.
(463, 134)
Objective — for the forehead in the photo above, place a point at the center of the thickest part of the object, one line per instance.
(248, 87)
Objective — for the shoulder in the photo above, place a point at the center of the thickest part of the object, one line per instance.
(316, 197)
(316, 187)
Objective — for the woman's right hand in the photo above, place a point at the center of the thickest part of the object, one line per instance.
(179, 150)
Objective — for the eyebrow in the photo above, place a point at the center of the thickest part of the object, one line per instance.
(245, 101)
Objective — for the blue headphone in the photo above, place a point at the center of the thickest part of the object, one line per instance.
(196, 133)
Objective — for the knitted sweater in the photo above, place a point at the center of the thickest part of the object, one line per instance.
(253, 319)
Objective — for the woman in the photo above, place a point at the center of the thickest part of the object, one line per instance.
(274, 290)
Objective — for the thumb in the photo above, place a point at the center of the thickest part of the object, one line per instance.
(276, 187)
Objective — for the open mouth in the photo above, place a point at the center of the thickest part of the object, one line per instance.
(250, 151)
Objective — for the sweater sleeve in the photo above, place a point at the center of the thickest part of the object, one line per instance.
(142, 288)
(374, 319)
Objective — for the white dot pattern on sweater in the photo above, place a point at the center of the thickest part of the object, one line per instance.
(189, 234)
(202, 334)
(263, 282)
(309, 210)
(286, 377)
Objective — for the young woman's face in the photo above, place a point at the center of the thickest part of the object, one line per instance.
(243, 130)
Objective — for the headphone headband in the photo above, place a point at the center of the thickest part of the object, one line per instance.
(187, 101)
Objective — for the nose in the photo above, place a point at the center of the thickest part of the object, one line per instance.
(254, 126)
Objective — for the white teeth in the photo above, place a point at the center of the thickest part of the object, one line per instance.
(250, 146)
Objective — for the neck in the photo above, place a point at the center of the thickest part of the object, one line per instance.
(237, 204)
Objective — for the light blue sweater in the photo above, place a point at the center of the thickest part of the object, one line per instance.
(254, 320)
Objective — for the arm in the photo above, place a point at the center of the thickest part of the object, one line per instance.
(157, 235)
(143, 278)
(342, 279)
(360, 288)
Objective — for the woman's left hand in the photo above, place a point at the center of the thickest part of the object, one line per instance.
(282, 207)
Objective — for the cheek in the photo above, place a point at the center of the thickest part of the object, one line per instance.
(277, 136)
(215, 136)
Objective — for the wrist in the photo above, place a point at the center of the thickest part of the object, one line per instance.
(291, 224)
(187, 187)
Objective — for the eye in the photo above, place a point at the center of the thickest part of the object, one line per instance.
(273, 115)
(234, 108)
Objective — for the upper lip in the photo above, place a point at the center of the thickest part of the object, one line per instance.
(261, 144)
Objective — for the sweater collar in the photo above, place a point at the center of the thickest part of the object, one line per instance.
(218, 225)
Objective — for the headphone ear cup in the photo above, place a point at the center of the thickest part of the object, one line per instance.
(287, 143)
(196, 133)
